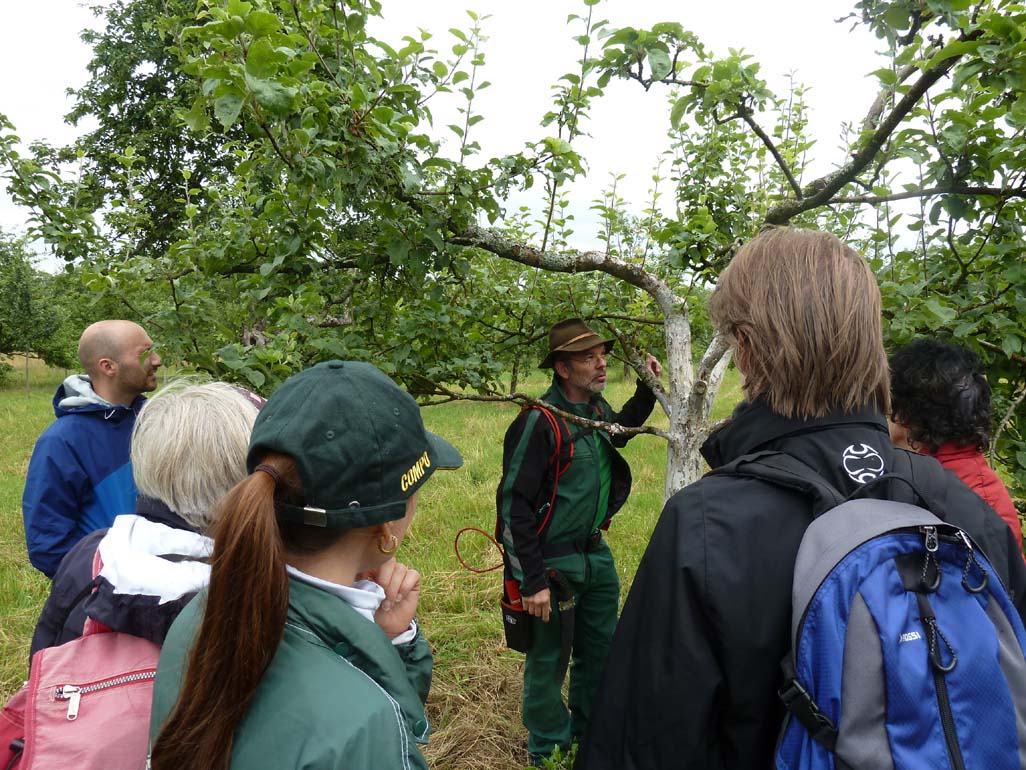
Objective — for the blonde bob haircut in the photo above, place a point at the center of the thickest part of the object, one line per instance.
(189, 447)
(803, 310)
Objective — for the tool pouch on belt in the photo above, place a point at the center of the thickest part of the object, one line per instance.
(566, 603)
(516, 622)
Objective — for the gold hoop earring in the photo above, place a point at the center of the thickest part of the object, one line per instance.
(393, 545)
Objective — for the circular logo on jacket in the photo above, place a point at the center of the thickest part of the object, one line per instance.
(862, 463)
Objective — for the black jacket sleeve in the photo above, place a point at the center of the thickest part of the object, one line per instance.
(63, 615)
(527, 447)
(634, 412)
(693, 671)
(662, 680)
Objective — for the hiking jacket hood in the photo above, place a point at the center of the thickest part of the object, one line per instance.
(337, 695)
(79, 477)
(154, 562)
(694, 667)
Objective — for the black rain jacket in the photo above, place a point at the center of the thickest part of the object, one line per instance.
(695, 664)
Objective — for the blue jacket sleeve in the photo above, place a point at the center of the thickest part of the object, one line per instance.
(54, 488)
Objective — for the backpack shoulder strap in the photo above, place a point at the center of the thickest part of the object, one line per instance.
(559, 460)
(927, 479)
(785, 470)
(562, 439)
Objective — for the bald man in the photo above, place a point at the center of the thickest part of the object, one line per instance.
(79, 477)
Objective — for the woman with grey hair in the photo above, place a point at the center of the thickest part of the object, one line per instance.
(189, 448)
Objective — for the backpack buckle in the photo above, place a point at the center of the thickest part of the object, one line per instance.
(800, 704)
(793, 692)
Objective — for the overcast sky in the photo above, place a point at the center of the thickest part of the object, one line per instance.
(528, 49)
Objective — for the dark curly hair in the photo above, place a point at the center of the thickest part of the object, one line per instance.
(939, 393)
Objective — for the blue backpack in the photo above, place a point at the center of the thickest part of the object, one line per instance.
(906, 650)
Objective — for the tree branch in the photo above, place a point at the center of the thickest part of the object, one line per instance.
(494, 242)
(709, 375)
(1002, 193)
(820, 191)
(1004, 421)
(612, 428)
(987, 345)
(637, 363)
(632, 319)
(872, 119)
(746, 115)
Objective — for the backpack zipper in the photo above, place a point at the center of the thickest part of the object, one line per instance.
(948, 721)
(940, 670)
(73, 694)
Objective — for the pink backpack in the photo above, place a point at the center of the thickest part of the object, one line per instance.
(86, 704)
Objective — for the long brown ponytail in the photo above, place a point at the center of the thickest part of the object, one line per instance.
(243, 623)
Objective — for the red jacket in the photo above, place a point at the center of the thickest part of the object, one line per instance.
(971, 466)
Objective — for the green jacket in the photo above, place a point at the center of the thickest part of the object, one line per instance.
(526, 484)
(338, 694)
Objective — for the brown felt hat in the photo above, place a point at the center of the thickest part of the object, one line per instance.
(571, 336)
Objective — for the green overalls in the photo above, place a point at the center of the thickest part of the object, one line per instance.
(593, 488)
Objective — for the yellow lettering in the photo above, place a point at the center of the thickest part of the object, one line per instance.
(414, 474)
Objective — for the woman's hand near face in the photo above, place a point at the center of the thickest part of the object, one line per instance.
(402, 592)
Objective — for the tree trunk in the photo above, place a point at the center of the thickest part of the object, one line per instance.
(514, 378)
(691, 398)
(28, 390)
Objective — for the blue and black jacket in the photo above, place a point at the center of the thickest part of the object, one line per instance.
(79, 477)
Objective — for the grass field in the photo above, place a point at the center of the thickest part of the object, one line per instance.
(475, 698)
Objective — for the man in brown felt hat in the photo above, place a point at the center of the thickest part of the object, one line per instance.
(561, 484)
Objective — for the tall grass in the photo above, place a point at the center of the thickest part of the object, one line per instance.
(23, 416)
(475, 698)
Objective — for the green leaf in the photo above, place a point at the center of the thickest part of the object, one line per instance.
(196, 118)
(677, 112)
(262, 60)
(886, 76)
(227, 108)
(659, 63)
(398, 250)
(896, 17)
(943, 313)
(952, 50)
(261, 23)
(1011, 344)
(271, 95)
(255, 376)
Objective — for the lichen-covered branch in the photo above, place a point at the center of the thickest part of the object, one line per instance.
(612, 428)
(886, 95)
(634, 358)
(708, 377)
(498, 244)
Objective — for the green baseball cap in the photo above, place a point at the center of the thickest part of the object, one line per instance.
(358, 441)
